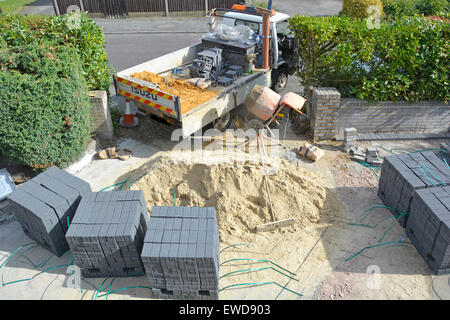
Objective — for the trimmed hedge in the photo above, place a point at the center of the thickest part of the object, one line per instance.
(45, 110)
(86, 37)
(406, 59)
(402, 8)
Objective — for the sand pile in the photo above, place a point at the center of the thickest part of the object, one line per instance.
(190, 96)
(239, 195)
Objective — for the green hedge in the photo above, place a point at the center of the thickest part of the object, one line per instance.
(45, 110)
(401, 8)
(406, 59)
(86, 37)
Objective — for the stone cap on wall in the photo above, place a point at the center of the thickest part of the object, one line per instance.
(329, 93)
(361, 102)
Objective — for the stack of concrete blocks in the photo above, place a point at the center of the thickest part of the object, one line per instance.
(445, 146)
(230, 76)
(107, 234)
(402, 174)
(350, 137)
(372, 156)
(325, 105)
(428, 227)
(103, 127)
(45, 204)
(237, 69)
(208, 64)
(181, 253)
(224, 81)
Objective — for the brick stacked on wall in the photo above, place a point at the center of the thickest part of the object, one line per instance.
(393, 117)
(43, 205)
(181, 253)
(402, 174)
(107, 234)
(325, 105)
(428, 227)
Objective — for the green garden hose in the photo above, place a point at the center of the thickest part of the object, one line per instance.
(256, 269)
(234, 245)
(260, 284)
(257, 260)
(375, 245)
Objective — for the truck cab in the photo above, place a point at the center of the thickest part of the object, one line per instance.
(283, 47)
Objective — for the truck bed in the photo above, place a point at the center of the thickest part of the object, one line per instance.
(151, 99)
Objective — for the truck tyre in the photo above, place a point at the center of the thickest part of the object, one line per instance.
(224, 122)
(279, 80)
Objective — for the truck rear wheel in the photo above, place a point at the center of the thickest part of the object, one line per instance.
(224, 122)
(279, 80)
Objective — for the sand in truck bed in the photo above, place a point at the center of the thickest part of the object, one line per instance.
(190, 96)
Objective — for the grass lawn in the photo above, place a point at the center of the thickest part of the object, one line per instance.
(13, 6)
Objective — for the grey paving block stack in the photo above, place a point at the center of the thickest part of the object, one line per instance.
(181, 253)
(350, 137)
(446, 147)
(428, 227)
(237, 69)
(402, 174)
(224, 81)
(444, 153)
(43, 204)
(232, 74)
(107, 234)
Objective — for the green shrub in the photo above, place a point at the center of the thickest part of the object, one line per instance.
(45, 110)
(403, 60)
(358, 8)
(432, 7)
(87, 38)
(400, 8)
(403, 8)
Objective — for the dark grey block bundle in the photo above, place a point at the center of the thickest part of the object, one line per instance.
(181, 253)
(43, 204)
(402, 174)
(428, 227)
(107, 233)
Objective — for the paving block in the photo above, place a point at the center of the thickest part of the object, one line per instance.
(237, 69)
(45, 204)
(225, 82)
(402, 174)
(181, 260)
(109, 228)
(428, 227)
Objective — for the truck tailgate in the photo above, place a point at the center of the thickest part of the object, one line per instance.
(146, 93)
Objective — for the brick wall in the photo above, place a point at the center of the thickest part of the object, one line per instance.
(392, 117)
(325, 104)
(101, 116)
(330, 115)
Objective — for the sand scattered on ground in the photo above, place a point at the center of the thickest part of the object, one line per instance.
(190, 96)
(238, 194)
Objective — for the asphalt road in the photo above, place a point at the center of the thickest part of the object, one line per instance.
(127, 50)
